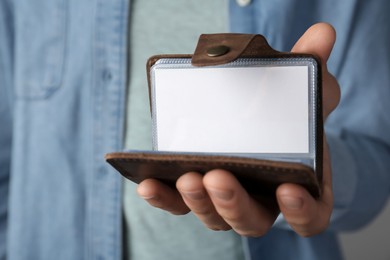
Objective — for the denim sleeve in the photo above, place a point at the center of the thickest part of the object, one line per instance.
(358, 132)
(6, 38)
(361, 179)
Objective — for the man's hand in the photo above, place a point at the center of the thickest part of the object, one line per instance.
(221, 203)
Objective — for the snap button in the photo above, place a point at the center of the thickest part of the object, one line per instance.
(217, 50)
(243, 3)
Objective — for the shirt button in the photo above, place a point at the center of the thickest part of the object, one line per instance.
(243, 3)
(106, 75)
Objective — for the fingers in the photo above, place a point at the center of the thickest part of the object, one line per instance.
(217, 199)
(304, 214)
(161, 196)
(197, 199)
(235, 206)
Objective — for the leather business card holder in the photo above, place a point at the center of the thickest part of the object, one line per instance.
(260, 167)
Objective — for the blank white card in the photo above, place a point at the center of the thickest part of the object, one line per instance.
(231, 110)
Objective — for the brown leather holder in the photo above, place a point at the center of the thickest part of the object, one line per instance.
(259, 177)
(239, 46)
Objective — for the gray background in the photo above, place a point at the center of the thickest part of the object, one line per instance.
(371, 242)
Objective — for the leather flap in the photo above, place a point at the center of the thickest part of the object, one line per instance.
(230, 46)
(259, 177)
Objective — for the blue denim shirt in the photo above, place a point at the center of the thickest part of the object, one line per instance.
(62, 102)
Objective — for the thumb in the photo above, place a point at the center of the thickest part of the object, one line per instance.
(318, 40)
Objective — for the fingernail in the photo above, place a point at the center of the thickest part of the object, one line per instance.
(221, 194)
(195, 195)
(148, 197)
(291, 202)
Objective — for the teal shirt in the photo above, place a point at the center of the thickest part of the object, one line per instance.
(157, 234)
